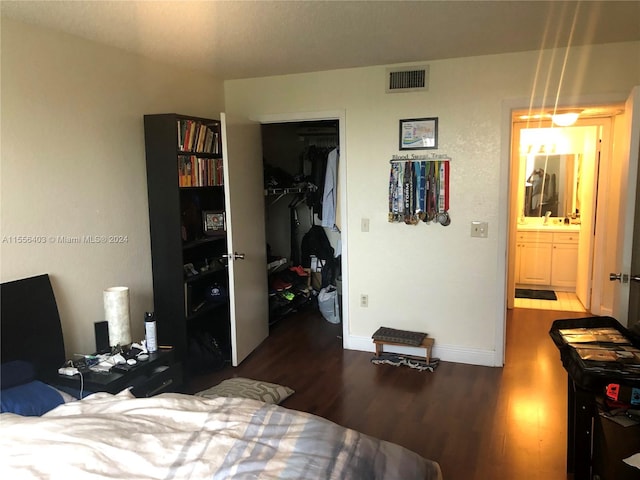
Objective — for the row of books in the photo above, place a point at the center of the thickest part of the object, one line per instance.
(194, 171)
(196, 136)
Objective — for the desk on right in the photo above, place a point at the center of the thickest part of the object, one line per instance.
(596, 446)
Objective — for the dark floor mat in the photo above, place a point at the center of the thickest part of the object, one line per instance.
(409, 361)
(536, 294)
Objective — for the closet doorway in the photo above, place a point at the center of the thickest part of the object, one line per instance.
(301, 170)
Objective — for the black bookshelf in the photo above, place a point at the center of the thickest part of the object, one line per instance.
(186, 260)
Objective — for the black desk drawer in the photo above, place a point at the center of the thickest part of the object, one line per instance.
(166, 378)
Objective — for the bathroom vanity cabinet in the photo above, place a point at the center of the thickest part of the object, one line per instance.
(564, 260)
(547, 258)
(533, 258)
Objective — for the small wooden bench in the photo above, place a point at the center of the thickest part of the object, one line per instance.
(427, 344)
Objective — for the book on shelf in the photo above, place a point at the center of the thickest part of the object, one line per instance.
(194, 171)
(208, 141)
(181, 132)
(202, 131)
(186, 128)
(192, 135)
(195, 136)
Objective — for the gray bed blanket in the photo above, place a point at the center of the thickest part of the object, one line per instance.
(173, 436)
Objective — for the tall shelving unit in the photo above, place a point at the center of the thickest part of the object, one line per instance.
(184, 181)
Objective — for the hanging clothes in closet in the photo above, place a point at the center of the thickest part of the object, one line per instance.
(314, 160)
(330, 191)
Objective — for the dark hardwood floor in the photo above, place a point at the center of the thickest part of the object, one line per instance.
(480, 423)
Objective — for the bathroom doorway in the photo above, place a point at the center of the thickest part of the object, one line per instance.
(556, 172)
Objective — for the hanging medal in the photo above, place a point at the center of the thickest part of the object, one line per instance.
(408, 192)
(399, 191)
(443, 210)
(432, 194)
(427, 190)
(422, 186)
(393, 196)
(415, 173)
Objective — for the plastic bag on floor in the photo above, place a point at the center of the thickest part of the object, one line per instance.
(328, 304)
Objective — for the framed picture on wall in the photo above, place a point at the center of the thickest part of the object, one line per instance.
(419, 134)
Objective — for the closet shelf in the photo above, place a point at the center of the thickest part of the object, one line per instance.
(281, 192)
(206, 308)
(207, 273)
(276, 264)
(284, 191)
(205, 240)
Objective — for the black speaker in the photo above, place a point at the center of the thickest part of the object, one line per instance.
(102, 336)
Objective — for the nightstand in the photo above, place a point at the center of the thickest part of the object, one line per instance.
(147, 378)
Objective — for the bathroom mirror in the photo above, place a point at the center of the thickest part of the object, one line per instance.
(551, 184)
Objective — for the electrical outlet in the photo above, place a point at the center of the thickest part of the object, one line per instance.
(479, 229)
(364, 225)
(364, 301)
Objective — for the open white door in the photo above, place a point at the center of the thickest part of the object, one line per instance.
(629, 168)
(634, 285)
(587, 211)
(244, 199)
(585, 250)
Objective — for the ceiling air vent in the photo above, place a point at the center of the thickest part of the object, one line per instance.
(407, 79)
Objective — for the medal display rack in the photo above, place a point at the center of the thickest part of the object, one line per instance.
(419, 189)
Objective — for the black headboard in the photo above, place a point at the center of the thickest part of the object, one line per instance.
(30, 324)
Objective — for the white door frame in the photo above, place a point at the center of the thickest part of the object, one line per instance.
(508, 105)
(339, 115)
(601, 129)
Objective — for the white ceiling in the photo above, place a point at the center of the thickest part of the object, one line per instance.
(243, 39)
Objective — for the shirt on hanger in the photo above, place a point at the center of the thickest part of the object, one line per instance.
(329, 195)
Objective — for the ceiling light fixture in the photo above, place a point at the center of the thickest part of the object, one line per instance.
(565, 119)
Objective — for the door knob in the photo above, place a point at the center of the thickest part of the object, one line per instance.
(635, 278)
(620, 277)
(234, 256)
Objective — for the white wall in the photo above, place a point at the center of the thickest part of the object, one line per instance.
(428, 277)
(73, 164)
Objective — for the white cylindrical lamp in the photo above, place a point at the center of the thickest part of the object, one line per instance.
(117, 314)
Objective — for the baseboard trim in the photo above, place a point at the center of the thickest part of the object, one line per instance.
(446, 353)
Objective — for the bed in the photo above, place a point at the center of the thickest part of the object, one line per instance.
(171, 436)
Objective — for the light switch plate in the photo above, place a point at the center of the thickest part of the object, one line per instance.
(364, 225)
(479, 229)
(364, 300)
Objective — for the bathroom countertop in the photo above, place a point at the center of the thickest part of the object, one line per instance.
(550, 227)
